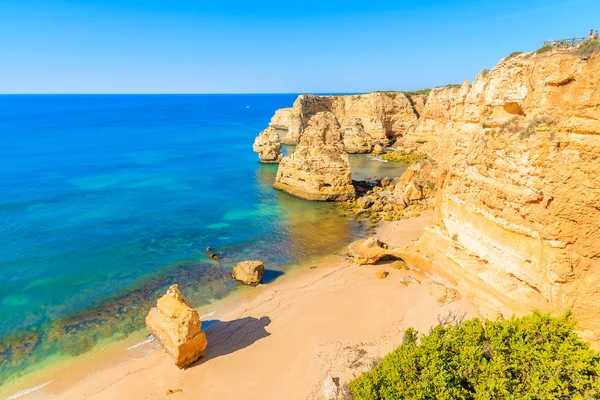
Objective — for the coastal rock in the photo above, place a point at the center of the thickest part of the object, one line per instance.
(385, 116)
(407, 280)
(368, 251)
(381, 274)
(268, 146)
(249, 272)
(319, 168)
(177, 327)
(443, 294)
(417, 183)
(330, 388)
(355, 139)
(517, 218)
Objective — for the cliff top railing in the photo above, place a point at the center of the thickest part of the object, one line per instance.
(564, 44)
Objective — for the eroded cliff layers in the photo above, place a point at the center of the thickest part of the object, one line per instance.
(517, 155)
(517, 215)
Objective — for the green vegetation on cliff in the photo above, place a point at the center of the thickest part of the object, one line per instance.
(398, 156)
(588, 48)
(534, 357)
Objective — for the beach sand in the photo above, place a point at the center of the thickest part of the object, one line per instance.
(334, 318)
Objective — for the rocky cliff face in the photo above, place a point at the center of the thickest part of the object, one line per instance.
(383, 116)
(268, 146)
(319, 168)
(518, 206)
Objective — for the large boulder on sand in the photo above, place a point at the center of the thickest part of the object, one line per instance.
(249, 272)
(268, 146)
(319, 168)
(177, 327)
(368, 251)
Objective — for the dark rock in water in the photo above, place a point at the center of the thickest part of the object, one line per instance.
(208, 249)
(214, 256)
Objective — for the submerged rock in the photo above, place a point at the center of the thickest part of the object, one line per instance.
(319, 168)
(249, 272)
(268, 146)
(177, 327)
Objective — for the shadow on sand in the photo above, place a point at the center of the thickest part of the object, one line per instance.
(226, 337)
(270, 275)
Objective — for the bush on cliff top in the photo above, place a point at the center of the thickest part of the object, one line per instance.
(534, 357)
(588, 48)
(423, 92)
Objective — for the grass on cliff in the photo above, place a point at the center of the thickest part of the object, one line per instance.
(588, 49)
(400, 157)
(422, 92)
(534, 357)
(544, 49)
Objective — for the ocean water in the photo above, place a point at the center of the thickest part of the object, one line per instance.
(107, 200)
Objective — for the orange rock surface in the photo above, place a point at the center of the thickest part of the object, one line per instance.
(176, 325)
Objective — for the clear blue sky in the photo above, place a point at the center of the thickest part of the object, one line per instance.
(223, 46)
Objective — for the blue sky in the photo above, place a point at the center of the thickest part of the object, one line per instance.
(222, 46)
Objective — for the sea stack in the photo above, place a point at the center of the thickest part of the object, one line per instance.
(319, 168)
(177, 326)
(268, 146)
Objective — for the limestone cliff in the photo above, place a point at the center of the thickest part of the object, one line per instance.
(518, 206)
(366, 119)
(319, 168)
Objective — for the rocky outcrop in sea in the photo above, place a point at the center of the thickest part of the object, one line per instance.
(319, 168)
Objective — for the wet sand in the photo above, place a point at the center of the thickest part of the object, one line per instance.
(333, 318)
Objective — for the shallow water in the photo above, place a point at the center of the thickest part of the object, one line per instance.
(107, 200)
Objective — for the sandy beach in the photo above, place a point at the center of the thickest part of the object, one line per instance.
(334, 318)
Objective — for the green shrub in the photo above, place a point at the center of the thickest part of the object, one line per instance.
(398, 156)
(544, 49)
(485, 72)
(534, 357)
(423, 92)
(453, 86)
(514, 54)
(588, 48)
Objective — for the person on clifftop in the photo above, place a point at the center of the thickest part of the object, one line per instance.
(596, 35)
(591, 34)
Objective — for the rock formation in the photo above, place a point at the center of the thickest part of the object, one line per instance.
(319, 168)
(177, 327)
(384, 116)
(268, 146)
(355, 139)
(418, 183)
(368, 251)
(249, 272)
(515, 175)
(517, 218)
(443, 294)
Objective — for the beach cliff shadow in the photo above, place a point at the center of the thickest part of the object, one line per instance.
(226, 337)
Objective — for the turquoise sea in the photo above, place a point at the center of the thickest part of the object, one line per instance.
(107, 200)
